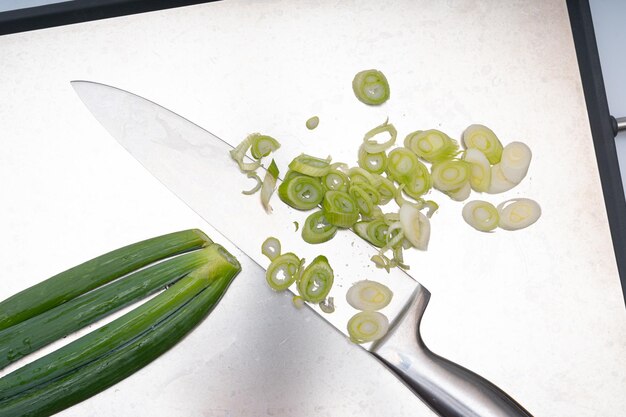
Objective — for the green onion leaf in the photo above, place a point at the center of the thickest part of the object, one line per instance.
(371, 87)
(317, 229)
(316, 280)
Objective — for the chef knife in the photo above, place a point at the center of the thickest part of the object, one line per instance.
(196, 166)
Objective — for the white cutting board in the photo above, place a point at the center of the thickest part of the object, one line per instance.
(539, 312)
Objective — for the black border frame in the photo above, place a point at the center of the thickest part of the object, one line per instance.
(586, 50)
(601, 128)
(76, 11)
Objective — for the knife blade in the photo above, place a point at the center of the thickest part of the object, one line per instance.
(196, 166)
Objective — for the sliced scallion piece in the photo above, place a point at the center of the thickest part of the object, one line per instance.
(271, 248)
(431, 145)
(316, 280)
(499, 183)
(460, 194)
(336, 180)
(450, 175)
(310, 165)
(372, 146)
(369, 296)
(312, 122)
(367, 326)
(239, 153)
(297, 301)
(371, 87)
(340, 209)
(431, 208)
(419, 183)
(386, 189)
(256, 187)
(480, 169)
(301, 192)
(328, 305)
(515, 161)
(483, 139)
(358, 174)
(317, 229)
(269, 184)
(415, 225)
(282, 271)
(401, 164)
(376, 163)
(262, 145)
(481, 215)
(518, 213)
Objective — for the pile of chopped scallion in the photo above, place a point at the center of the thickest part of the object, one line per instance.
(355, 197)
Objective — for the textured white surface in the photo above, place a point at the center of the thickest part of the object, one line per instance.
(539, 312)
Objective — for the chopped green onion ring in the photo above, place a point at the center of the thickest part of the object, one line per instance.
(358, 174)
(481, 215)
(317, 229)
(480, 169)
(310, 165)
(499, 183)
(419, 183)
(386, 189)
(269, 184)
(371, 87)
(518, 213)
(340, 209)
(415, 225)
(239, 153)
(483, 139)
(369, 296)
(301, 191)
(401, 164)
(450, 175)
(257, 186)
(262, 145)
(431, 207)
(367, 326)
(271, 248)
(312, 122)
(362, 199)
(432, 145)
(297, 301)
(328, 305)
(282, 271)
(336, 180)
(316, 280)
(376, 163)
(515, 161)
(460, 194)
(373, 147)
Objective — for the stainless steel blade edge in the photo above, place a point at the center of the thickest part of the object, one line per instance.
(196, 166)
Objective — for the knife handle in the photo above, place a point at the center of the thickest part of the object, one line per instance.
(449, 389)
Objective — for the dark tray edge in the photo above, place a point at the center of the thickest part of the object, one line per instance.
(601, 129)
